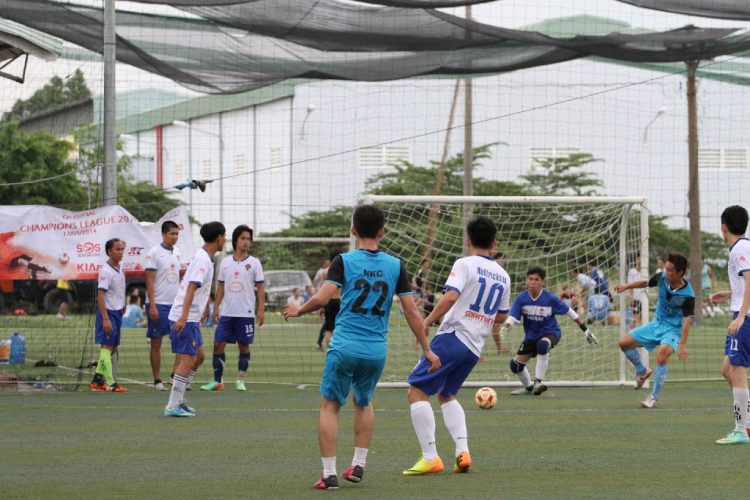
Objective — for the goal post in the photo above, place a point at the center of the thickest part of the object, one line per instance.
(559, 233)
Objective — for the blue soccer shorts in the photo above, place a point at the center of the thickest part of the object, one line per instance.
(343, 371)
(115, 318)
(737, 347)
(656, 333)
(456, 361)
(235, 330)
(160, 328)
(188, 341)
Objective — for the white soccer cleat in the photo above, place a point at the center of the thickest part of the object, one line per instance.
(159, 387)
(641, 379)
(649, 402)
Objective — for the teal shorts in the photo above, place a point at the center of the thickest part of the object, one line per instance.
(657, 333)
(343, 371)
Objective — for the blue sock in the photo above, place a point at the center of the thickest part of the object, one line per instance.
(635, 358)
(219, 361)
(244, 362)
(660, 376)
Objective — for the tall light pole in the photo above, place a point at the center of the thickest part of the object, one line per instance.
(468, 147)
(109, 170)
(648, 126)
(694, 191)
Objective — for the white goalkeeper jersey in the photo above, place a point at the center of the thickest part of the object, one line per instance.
(201, 272)
(739, 263)
(166, 264)
(238, 279)
(484, 291)
(112, 281)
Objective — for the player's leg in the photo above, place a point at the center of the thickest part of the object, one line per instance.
(245, 332)
(365, 378)
(155, 357)
(736, 361)
(321, 336)
(642, 336)
(334, 389)
(526, 351)
(156, 331)
(543, 347)
(225, 333)
(660, 374)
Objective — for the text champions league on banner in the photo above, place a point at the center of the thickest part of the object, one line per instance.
(38, 242)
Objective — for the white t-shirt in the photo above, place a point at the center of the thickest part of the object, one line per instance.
(166, 263)
(112, 281)
(633, 276)
(587, 282)
(201, 272)
(295, 302)
(484, 289)
(239, 279)
(739, 263)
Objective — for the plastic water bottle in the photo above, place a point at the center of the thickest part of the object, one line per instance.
(4, 351)
(17, 349)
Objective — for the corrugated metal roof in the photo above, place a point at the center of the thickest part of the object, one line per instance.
(41, 40)
(568, 27)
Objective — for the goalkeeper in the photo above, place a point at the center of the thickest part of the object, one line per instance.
(538, 307)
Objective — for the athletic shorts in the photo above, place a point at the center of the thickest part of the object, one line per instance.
(330, 311)
(657, 333)
(115, 317)
(188, 341)
(233, 330)
(528, 347)
(160, 328)
(456, 361)
(343, 371)
(737, 348)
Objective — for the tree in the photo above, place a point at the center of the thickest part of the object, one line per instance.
(564, 177)
(55, 94)
(27, 157)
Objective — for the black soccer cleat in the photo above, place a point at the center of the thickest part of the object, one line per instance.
(354, 473)
(539, 389)
(327, 483)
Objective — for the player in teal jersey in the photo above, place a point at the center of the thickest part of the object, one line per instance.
(670, 328)
(368, 280)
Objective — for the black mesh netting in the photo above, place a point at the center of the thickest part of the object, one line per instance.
(234, 48)
(723, 9)
(421, 4)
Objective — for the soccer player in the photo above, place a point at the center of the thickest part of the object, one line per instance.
(476, 295)
(538, 308)
(670, 328)
(500, 259)
(189, 308)
(239, 275)
(587, 285)
(333, 306)
(599, 279)
(708, 282)
(110, 298)
(368, 279)
(734, 221)
(634, 274)
(162, 281)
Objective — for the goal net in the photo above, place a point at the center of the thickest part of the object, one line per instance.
(557, 233)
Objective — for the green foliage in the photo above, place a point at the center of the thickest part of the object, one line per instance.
(27, 157)
(561, 179)
(56, 93)
(663, 240)
(333, 223)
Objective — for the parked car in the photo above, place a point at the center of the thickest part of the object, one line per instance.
(279, 285)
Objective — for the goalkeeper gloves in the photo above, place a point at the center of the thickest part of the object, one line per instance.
(505, 329)
(590, 337)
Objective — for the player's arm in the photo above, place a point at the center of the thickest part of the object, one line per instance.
(153, 313)
(260, 315)
(179, 325)
(688, 311)
(418, 328)
(560, 307)
(101, 302)
(735, 325)
(449, 298)
(635, 284)
(217, 301)
(321, 298)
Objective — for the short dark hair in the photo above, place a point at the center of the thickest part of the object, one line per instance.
(679, 261)
(499, 255)
(335, 252)
(242, 228)
(575, 270)
(110, 244)
(210, 231)
(538, 270)
(735, 218)
(592, 262)
(167, 225)
(482, 232)
(368, 220)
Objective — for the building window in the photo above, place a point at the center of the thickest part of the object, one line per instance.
(539, 156)
(276, 158)
(206, 168)
(239, 164)
(383, 156)
(722, 158)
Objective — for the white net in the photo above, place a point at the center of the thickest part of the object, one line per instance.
(558, 234)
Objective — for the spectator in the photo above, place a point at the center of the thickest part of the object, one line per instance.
(63, 288)
(133, 317)
(586, 284)
(296, 298)
(598, 306)
(634, 274)
(308, 293)
(598, 277)
(659, 265)
(569, 298)
(318, 279)
(500, 259)
(708, 282)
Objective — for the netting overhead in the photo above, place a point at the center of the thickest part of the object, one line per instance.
(722, 9)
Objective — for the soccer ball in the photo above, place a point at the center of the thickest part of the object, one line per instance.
(486, 398)
(64, 259)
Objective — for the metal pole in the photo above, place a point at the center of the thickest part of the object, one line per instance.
(693, 190)
(255, 169)
(221, 171)
(109, 172)
(291, 161)
(623, 277)
(468, 150)
(190, 163)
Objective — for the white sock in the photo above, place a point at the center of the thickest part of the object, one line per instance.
(542, 362)
(741, 397)
(455, 421)
(424, 425)
(524, 377)
(329, 466)
(360, 456)
(178, 389)
(189, 379)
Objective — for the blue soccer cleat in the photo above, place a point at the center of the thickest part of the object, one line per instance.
(185, 407)
(177, 412)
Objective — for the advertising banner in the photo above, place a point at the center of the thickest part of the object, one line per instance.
(39, 242)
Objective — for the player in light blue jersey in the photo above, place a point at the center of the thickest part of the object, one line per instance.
(670, 328)
(734, 222)
(368, 279)
(538, 308)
